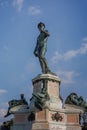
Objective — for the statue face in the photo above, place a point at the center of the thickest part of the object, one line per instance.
(41, 28)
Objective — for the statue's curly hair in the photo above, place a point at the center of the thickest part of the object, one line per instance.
(41, 24)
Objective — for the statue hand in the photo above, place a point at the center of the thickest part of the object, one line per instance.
(46, 32)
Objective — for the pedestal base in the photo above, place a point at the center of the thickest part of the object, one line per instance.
(53, 116)
(53, 126)
(56, 120)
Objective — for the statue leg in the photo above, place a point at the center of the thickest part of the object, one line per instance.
(47, 70)
(43, 61)
(42, 65)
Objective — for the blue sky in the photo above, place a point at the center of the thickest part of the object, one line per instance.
(66, 20)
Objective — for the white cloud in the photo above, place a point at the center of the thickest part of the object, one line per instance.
(69, 54)
(83, 49)
(67, 76)
(18, 4)
(85, 39)
(2, 91)
(2, 112)
(34, 10)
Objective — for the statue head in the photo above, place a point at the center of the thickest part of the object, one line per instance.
(72, 99)
(73, 96)
(41, 26)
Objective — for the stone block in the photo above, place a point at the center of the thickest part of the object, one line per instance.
(53, 88)
(42, 115)
(72, 118)
(19, 118)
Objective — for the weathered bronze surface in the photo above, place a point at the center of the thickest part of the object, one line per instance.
(41, 47)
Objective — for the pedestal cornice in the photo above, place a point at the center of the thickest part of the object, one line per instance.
(46, 77)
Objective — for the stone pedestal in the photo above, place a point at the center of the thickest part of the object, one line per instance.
(55, 117)
(63, 119)
(52, 84)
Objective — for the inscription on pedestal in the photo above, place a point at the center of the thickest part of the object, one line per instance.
(40, 126)
(55, 127)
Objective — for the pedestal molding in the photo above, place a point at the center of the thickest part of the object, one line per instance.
(46, 77)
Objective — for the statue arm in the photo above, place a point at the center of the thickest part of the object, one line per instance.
(46, 33)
